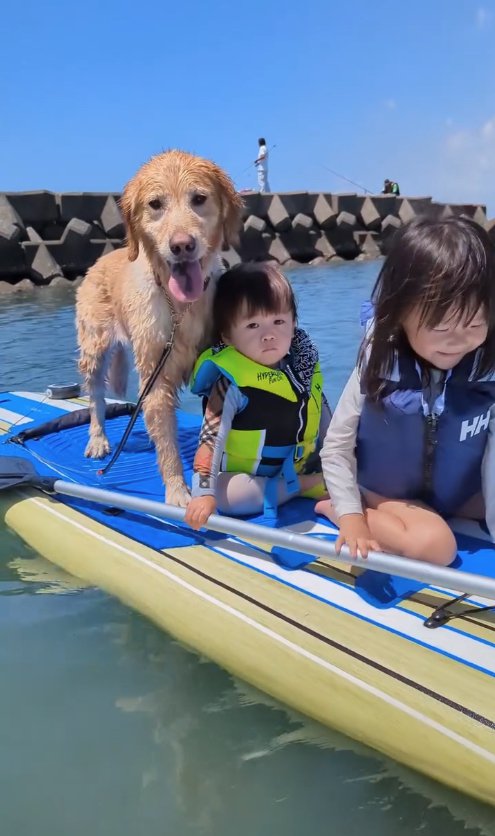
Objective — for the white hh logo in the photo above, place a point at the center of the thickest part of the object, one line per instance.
(475, 426)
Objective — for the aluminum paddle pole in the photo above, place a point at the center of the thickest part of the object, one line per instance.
(427, 573)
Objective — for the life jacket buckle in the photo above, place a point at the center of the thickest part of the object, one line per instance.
(299, 452)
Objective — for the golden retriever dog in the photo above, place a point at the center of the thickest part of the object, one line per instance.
(179, 211)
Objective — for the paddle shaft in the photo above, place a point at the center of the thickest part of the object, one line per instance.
(428, 573)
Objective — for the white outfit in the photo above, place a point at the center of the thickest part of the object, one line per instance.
(262, 167)
(338, 456)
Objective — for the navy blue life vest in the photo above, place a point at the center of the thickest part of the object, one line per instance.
(408, 450)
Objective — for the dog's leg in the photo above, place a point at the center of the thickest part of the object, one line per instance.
(93, 369)
(159, 413)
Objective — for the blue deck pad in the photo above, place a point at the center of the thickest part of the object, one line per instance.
(473, 555)
(136, 472)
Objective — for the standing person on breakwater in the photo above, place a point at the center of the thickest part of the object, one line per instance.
(391, 187)
(261, 163)
(265, 413)
(411, 440)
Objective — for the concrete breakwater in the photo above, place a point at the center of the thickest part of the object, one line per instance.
(50, 239)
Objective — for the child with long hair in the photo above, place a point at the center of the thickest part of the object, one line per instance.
(411, 439)
(264, 406)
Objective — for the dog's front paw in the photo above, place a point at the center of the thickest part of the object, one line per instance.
(177, 493)
(97, 447)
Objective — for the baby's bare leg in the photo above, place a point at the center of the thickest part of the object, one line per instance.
(241, 493)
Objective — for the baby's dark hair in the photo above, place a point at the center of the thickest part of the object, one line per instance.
(438, 267)
(248, 289)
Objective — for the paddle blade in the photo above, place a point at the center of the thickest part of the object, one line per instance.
(15, 471)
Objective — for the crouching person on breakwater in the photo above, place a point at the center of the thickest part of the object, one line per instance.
(265, 410)
(411, 441)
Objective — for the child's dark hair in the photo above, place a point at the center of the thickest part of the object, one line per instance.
(248, 289)
(438, 267)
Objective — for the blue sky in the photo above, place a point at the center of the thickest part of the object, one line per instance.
(89, 90)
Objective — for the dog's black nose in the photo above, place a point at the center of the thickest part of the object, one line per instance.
(182, 244)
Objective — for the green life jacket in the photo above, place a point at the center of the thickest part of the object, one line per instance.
(277, 428)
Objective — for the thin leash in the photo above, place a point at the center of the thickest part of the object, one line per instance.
(176, 321)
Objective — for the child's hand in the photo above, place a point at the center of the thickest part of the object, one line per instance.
(198, 511)
(354, 532)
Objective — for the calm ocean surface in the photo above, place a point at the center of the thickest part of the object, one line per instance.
(110, 728)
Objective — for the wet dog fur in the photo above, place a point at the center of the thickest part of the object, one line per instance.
(179, 211)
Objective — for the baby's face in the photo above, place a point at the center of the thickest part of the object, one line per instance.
(264, 337)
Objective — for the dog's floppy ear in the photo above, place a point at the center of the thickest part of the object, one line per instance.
(128, 212)
(232, 206)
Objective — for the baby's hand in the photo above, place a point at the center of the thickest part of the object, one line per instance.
(354, 532)
(198, 511)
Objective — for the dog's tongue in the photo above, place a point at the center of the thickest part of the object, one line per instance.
(186, 281)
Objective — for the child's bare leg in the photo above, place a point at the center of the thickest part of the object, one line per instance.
(409, 528)
(326, 509)
(241, 493)
(404, 527)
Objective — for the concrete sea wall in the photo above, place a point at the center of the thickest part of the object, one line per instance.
(52, 239)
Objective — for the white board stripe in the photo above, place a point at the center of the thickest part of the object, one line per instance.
(14, 417)
(41, 397)
(67, 405)
(317, 660)
(447, 640)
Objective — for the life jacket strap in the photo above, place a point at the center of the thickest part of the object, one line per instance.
(289, 475)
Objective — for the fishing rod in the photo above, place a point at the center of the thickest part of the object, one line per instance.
(251, 164)
(342, 177)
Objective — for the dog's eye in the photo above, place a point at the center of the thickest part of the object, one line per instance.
(198, 199)
(155, 204)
